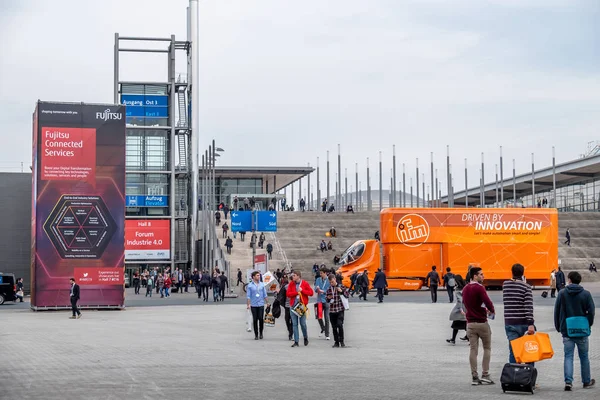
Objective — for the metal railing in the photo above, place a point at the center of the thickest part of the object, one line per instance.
(278, 247)
(592, 206)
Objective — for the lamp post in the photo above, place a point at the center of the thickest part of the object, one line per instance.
(210, 208)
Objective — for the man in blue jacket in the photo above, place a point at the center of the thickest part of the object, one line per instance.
(574, 302)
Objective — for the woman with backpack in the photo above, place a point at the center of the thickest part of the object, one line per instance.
(457, 315)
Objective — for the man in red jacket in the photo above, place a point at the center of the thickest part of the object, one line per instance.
(299, 290)
(474, 299)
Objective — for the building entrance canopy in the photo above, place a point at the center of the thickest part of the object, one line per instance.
(272, 179)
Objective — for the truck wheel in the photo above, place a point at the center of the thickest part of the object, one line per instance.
(1, 299)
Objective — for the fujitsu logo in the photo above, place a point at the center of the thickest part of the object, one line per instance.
(106, 115)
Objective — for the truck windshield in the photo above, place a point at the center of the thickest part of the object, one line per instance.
(352, 253)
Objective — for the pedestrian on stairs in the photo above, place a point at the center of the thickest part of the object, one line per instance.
(226, 210)
(270, 250)
(229, 244)
(261, 240)
(225, 229)
(568, 237)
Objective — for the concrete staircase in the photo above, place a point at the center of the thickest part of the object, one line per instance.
(241, 253)
(585, 243)
(300, 234)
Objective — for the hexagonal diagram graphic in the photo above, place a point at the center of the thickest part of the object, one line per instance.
(80, 226)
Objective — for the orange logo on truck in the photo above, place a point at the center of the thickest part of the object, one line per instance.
(412, 230)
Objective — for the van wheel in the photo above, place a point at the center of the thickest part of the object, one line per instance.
(1, 299)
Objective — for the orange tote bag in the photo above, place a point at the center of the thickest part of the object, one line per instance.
(532, 348)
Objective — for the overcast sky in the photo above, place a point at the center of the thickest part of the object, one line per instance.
(284, 81)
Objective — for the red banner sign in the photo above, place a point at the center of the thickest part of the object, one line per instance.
(147, 239)
(68, 154)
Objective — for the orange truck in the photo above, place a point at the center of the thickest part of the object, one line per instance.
(415, 239)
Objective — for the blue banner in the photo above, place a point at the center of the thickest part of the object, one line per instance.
(266, 221)
(146, 201)
(241, 221)
(146, 106)
(147, 112)
(149, 100)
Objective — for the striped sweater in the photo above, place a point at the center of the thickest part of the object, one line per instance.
(518, 303)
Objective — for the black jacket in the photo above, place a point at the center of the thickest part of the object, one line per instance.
(560, 279)
(573, 301)
(433, 278)
(363, 280)
(75, 292)
(223, 282)
(205, 280)
(380, 281)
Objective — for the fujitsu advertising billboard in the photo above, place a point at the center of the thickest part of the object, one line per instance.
(78, 216)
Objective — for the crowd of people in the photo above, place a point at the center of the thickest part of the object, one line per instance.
(574, 312)
(293, 295)
(163, 282)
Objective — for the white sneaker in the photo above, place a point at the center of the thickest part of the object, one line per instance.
(248, 330)
(327, 338)
(321, 334)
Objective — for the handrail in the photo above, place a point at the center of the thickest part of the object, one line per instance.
(286, 262)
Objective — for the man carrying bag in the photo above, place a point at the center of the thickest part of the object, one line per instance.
(573, 317)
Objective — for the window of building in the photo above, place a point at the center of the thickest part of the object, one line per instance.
(134, 184)
(147, 150)
(157, 184)
(227, 187)
(147, 185)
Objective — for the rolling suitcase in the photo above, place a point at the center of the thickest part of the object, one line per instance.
(518, 378)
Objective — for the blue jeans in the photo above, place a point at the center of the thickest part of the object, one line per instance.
(302, 320)
(514, 332)
(582, 348)
(215, 293)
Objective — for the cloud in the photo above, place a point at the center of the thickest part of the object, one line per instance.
(282, 82)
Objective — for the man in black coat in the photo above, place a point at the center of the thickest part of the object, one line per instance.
(222, 284)
(433, 280)
(364, 284)
(380, 283)
(560, 280)
(74, 295)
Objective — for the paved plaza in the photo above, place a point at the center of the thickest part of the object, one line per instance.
(397, 350)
